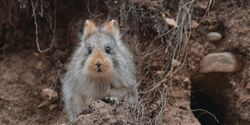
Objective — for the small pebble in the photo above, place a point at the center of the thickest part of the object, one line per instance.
(175, 63)
(160, 72)
(194, 24)
(171, 22)
(186, 80)
(53, 106)
(52, 94)
(248, 86)
(214, 36)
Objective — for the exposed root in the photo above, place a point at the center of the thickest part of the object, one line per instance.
(207, 112)
(52, 24)
(176, 40)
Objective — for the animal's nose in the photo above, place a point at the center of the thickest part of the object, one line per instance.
(98, 64)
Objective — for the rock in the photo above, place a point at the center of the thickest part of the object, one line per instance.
(194, 24)
(171, 22)
(214, 36)
(50, 93)
(175, 63)
(186, 80)
(160, 72)
(248, 86)
(52, 106)
(219, 62)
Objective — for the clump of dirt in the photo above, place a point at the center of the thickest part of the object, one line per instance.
(100, 112)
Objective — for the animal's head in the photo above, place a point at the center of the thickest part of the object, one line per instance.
(100, 48)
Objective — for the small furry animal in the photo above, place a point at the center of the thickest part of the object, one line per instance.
(101, 67)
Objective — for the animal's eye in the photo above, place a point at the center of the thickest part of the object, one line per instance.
(108, 50)
(89, 50)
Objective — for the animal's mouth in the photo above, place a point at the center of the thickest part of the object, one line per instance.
(99, 74)
(98, 70)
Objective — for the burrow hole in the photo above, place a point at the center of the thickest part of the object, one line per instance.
(209, 100)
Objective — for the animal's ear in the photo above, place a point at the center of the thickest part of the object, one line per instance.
(89, 27)
(112, 27)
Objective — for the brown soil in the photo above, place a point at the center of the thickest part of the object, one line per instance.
(24, 72)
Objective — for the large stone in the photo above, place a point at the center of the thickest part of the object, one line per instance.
(219, 62)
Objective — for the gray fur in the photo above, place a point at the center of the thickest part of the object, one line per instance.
(77, 87)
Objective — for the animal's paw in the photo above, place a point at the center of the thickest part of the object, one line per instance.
(111, 100)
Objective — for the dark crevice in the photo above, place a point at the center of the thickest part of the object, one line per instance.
(208, 102)
(205, 109)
